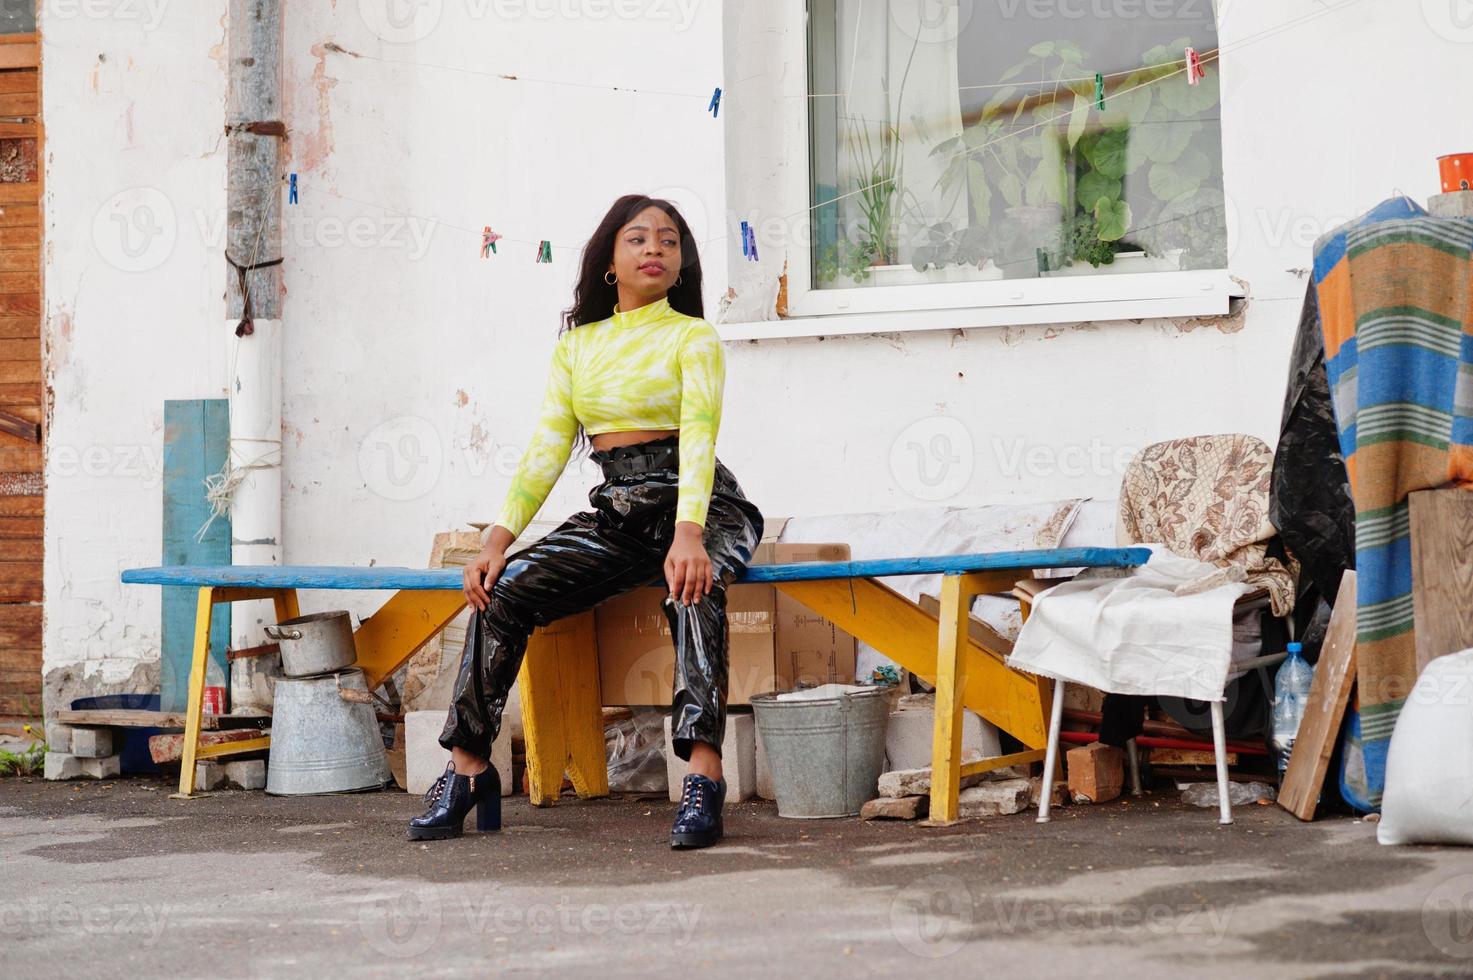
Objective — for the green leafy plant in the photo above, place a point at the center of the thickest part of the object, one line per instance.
(846, 259)
(948, 245)
(1041, 145)
(28, 761)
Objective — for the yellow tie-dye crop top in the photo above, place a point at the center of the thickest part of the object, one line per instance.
(650, 368)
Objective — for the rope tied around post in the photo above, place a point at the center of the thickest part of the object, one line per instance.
(247, 324)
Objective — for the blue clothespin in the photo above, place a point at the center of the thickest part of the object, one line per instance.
(745, 239)
(291, 194)
(715, 107)
(752, 242)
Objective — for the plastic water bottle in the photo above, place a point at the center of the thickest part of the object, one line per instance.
(1291, 694)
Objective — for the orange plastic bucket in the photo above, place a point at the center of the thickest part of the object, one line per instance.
(1457, 172)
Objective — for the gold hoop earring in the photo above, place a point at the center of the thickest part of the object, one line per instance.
(609, 280)
(678, 280)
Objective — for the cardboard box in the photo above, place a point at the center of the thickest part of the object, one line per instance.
(775, 643)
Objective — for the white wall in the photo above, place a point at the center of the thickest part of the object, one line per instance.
(414, 368)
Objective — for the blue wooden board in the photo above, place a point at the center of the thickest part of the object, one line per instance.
(447, 579)
(196, 440)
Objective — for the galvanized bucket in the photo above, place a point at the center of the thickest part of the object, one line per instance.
(325, 737)
(826, 755)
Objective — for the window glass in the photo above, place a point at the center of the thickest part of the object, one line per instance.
(961, 140)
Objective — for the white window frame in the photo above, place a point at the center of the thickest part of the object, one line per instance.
(945, 305)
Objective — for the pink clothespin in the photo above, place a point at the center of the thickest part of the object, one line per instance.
(1195, 74)
(489, 239)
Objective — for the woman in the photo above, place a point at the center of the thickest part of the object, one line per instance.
(637, 369)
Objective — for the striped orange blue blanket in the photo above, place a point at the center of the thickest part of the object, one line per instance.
(1395, 292)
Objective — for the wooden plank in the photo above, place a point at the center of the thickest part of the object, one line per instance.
(561, 714)
(32, 550)
(951, 677)
(20, 527)
(20, 103)
(20, 81)
(981, 633)
(19, 327)
(20, 350)
(196, 433)
(875, 614)
(20, 54)
(18, 259)
(1442, 572)
(127, 718)
(20, 372)
(28, 192)
(22, 506)
(20, 282)
(1329, 692)
(20, 215)
(20, 237)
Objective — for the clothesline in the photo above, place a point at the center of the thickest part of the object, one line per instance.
(1183, 66)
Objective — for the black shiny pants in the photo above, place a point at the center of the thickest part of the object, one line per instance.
(595, 555)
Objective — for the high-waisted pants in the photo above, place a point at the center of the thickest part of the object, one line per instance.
(594, 555)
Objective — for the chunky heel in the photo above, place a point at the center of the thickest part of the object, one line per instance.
(488, 801)
(453, 797)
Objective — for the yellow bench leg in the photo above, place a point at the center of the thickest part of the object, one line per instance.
(562, 714)
(195, 703)
(946, 741)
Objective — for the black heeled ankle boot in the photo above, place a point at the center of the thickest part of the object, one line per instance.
(698, 821)
(451, 798)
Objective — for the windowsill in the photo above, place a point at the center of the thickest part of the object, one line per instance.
(1207, 302)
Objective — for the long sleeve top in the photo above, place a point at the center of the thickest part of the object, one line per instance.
(650, 368)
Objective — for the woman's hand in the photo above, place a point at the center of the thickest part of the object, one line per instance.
(481, 574)
(687, 566)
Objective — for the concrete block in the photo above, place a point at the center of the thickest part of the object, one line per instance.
(738, 759)
(425, 758)
(905, 808)
(1096, 772)
(208, 775)
(246, 773)
(908, 737)
(995, 798)
(62, 765)
(105, 768)
(1455, 204)
(58, 737)
(92, 743)
(900, 783)
(764, 772)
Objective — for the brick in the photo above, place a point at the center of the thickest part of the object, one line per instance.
(1035, 792)
(888, 808)
(246, 773)
(994, 798)
(208, 775)
(738, 759)
(92, 743)
(62, 765)
(1096, 772)
(104, 768)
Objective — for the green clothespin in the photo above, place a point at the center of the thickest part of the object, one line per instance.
(544, 251)
(1099, 91)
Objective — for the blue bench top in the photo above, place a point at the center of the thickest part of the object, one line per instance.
(446, 579)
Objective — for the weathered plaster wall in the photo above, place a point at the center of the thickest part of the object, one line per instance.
(414, 369)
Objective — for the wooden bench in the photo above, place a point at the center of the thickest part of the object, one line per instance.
(559, 678)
